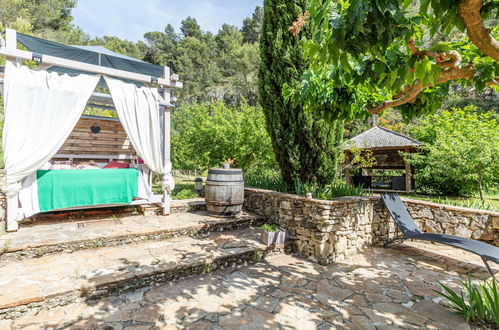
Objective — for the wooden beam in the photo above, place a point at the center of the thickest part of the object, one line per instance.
(408, 183)
(11, 39)
(107, 99)
(348, 159)
(94, 156)
(388, 148)
(10, 51)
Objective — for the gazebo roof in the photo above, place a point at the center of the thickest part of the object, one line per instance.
(380, 137)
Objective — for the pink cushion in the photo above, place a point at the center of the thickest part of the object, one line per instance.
(60, 165)
(90, 165)
(117, 165)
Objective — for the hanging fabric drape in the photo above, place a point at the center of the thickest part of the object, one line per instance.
(41, 110)
(138, 110)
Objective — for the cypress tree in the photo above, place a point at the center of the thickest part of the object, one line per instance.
(306, 147)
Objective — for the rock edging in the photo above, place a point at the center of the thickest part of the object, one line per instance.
(328, 231)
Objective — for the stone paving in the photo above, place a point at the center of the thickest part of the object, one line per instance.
(380, 288)
(53, 233)
(76, 274)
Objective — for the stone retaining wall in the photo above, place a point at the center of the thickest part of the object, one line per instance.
(327, 231)
(454, 220)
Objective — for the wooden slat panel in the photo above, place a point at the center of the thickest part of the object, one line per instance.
(89, 143)
(111, 140)
(102, 153)
(102, 131)
(87, 125)
(94, 149)
(100, 135)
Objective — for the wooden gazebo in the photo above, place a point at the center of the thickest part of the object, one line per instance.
(386, 147)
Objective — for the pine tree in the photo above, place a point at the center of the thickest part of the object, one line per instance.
(306, 147)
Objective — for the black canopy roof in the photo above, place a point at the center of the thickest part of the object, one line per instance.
(96, 55)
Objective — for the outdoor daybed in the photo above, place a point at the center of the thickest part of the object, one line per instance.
(43, 122)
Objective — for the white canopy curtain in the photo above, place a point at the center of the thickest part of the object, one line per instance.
(138, 111)
(41, 110)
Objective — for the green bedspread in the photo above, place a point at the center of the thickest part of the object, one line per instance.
(60, 189)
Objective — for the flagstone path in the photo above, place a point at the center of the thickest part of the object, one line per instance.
(380, 288)
(49, 237)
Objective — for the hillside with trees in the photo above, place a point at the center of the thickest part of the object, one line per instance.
(325, 75)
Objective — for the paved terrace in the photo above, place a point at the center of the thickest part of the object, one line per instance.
(377, 289)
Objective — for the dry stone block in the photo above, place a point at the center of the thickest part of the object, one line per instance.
(495, 222)
(462, 231)
(441, 216)
(285, 205)
(480, 220)
(341, 244)
(323, 250)
(432, 227)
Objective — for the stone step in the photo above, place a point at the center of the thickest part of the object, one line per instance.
(177, 206)
(53, 237)
(43, 283)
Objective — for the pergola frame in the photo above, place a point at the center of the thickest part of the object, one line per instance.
(169, 81)
(395, 150)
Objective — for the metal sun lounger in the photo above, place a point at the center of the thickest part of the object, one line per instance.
(410, 230)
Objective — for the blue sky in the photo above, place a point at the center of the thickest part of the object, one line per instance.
(130, 19)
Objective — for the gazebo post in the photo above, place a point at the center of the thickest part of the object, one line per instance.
(348, 179)
(408, 184)
(166, 139)
(347, 176)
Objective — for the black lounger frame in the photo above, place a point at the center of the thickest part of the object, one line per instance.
(411, 230)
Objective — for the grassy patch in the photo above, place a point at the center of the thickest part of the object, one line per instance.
(272, 180)
(184, 189)
(491, 201)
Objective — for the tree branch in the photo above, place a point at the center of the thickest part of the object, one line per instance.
(444, 60)
(411, 94)
(469, 10)
(447, 61)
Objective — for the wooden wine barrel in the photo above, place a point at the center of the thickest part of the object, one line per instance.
(224, 192)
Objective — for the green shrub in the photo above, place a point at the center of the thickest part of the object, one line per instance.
(272, 180)
(204, 134)
(460, 155)
(181, 191)
(269, 227)
(184, 191)
(333, 190)
(477, 303)
(265, 179)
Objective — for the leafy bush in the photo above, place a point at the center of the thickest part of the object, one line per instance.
(272, 180)
(206, 133)
(181, 191)
(265, 179)
(269, 227)
(333, 190)
(184, 191)
(477, 304)
(460, 154)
